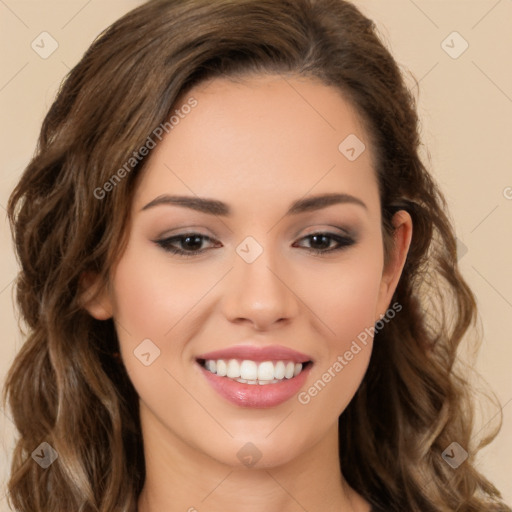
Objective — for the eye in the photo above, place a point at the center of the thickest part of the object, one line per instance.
(323, 242)
(191, 244)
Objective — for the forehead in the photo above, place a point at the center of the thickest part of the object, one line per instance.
(263, 136)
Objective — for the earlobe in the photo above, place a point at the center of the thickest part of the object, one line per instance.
(402, 237)
(94, 297)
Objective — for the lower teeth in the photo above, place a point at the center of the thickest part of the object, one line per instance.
(260, 382)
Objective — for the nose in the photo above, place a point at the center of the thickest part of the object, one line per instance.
(260, 293)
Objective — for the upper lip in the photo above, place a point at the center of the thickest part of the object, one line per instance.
(257, 353)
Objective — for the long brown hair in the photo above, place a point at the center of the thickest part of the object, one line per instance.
(66, 389)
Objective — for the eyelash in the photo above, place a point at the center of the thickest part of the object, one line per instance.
(166, 243)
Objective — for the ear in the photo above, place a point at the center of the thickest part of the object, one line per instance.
(94, 296)
(402, 237)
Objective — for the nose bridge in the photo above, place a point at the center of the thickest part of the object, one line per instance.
(258, 290)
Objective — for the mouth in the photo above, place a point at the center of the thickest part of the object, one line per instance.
(255, 384)
(254, 372)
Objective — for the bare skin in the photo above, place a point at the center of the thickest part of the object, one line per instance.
(258, 146)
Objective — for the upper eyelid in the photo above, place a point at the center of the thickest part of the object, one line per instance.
(328, 231)
(192, 230)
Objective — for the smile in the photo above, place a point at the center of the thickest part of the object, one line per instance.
(253, 372)
(261, 392)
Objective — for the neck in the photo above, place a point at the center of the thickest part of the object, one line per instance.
(179, 478)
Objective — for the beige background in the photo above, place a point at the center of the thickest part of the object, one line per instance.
(465, 104)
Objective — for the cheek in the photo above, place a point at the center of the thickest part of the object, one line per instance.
(149, 300)
(345, 295)
(153, 307)
(353, 307)
(346, 301)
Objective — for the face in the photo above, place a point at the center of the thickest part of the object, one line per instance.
(265, 274)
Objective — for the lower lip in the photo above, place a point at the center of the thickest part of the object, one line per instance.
(256, 395)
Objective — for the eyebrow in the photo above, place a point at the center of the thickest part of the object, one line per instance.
(215, 207)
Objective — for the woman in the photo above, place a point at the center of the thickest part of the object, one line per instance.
(228, 242)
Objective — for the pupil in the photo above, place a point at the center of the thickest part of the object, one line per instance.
(196, 242)
(324, 238)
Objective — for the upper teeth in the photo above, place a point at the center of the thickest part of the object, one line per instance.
(251, 371)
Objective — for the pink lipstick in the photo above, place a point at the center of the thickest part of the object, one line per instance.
(255, 376)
